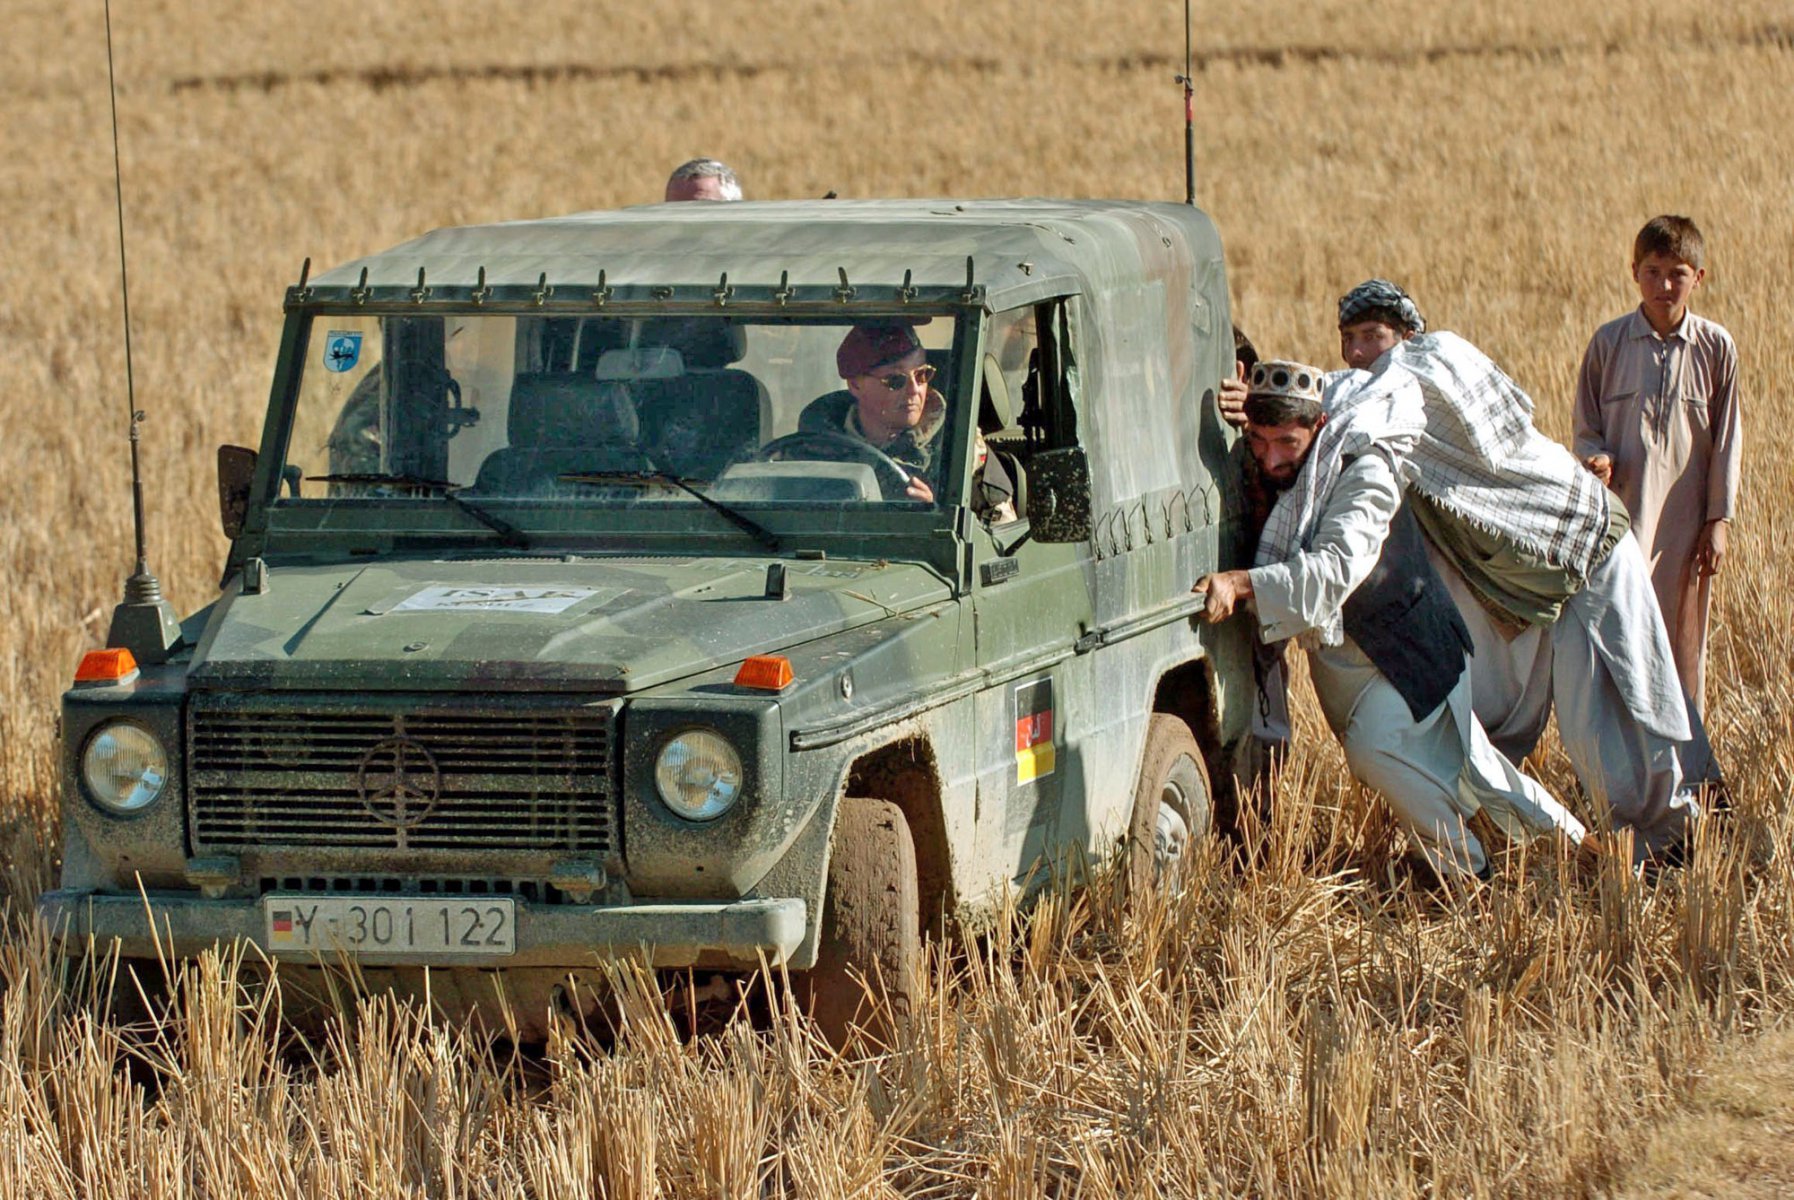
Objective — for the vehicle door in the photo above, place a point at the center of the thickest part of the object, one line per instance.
(1031, 606)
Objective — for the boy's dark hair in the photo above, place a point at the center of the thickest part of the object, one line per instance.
(1674, 237)
(1391, 317)
(1264, 409)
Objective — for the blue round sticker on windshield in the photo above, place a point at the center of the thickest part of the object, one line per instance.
(342, 350)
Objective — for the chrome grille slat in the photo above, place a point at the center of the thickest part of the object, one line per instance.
(348, 800)
(276, 783)
(287, 777)
(395, 887)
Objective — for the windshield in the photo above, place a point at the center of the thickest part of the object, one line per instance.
(748, 412)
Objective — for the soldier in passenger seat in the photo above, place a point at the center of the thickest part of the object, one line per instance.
(993, 490)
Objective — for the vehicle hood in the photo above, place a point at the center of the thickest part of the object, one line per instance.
(605, 624)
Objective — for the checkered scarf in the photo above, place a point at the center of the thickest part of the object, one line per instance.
(1481, 459)
(1366, 413)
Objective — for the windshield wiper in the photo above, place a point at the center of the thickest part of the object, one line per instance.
(741, 521)
(508, 533)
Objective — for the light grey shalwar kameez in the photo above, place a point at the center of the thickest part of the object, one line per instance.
(1665, 409)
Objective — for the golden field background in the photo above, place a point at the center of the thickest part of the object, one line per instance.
(1294, 1027)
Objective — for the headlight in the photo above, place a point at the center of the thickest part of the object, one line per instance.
(698, 774)
(124, 767)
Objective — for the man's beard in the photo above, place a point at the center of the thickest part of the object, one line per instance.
(1273, 483)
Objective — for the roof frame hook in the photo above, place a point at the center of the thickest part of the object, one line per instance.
(361, 291)
(543, 290)
(481, 293)
(846, 292)
(785, 291)
(723, 292)
(421, 292)
(971, 292)
(907, 292)
(602, 293)
(302, 293)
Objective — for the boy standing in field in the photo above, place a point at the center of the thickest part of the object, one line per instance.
(1657, 421)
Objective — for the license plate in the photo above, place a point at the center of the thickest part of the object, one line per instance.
(466, 927)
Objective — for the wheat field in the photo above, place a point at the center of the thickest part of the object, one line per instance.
(1297, 1025)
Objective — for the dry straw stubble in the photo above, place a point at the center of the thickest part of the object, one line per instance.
(1298, 1026)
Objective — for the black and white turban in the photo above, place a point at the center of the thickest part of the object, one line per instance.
(1380, 296)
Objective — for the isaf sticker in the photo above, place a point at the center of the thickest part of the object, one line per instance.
(342, 350)
(494, 599)
(1034, 719)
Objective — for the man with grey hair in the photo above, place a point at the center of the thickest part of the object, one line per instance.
(703, 179)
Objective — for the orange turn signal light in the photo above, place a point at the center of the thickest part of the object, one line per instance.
(767, 672)
(106, 666)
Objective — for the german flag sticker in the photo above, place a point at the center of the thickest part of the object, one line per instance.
(1033, 730)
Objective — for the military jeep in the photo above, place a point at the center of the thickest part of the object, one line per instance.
(570, 615)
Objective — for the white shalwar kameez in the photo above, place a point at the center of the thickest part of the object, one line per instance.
(1621, 715)
(1436, 772)
(1606, 658)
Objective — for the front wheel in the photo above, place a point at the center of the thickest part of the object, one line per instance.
(871, 929)
(1173, 805)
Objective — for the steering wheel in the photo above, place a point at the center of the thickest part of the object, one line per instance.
(828, 446)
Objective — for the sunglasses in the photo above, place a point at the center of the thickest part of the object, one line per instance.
(901, 380)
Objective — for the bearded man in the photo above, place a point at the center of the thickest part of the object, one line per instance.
(1341, 566)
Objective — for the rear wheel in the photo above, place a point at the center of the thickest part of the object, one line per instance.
(1173, 805)
(871, 931)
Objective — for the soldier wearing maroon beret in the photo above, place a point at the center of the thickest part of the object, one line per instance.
(894, 408)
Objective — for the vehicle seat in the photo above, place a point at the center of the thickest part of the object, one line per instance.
(560, 423)
(826, 414)
(696, 424)
(942, 362)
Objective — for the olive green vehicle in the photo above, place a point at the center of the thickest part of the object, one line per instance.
(566, 617)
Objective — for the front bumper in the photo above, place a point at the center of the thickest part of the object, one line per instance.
(662, 934)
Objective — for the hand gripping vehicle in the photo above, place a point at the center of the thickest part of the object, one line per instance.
(577, 605)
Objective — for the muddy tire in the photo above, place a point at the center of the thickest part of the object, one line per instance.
(1173, 805)
(871, 931)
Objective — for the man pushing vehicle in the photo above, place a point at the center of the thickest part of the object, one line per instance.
(1342, 567)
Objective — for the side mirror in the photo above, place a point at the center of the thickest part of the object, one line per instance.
(236, 470)
(1059, 495)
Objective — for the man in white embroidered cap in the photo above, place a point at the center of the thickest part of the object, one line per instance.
(1341, 567)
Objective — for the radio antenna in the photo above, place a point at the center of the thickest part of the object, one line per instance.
(143, 623)
(1189, 116)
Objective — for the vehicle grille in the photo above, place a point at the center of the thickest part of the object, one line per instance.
(535, 891)
(263, 778)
